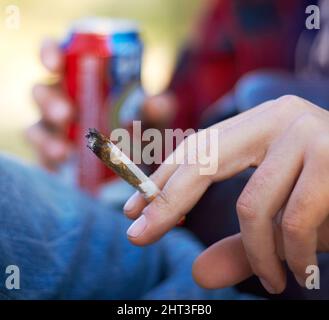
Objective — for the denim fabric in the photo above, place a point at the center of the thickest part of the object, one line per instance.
(71, 246)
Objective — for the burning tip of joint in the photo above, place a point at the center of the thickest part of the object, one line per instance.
(92, 132)
(93, 135)
(97, 141)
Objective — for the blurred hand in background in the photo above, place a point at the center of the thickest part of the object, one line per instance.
(48, 136)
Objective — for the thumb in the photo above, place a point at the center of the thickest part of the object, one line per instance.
(223, 264)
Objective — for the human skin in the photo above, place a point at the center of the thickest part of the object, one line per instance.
(283, 210)
(48, 136)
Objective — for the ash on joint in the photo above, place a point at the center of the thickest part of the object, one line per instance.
(105, 150)
(96, 141)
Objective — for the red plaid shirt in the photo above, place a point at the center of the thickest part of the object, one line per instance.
(233, 38)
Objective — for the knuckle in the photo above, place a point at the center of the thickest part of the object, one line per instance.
(289, 99)
(263, 175)
(245, 206)
(163, 203)
(319, 147)
(291, 106)
(306, 122)
(293, 225)
(285, 108)
(290, 102)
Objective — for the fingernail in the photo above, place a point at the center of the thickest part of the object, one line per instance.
(129, 206)
(137, 228)
(267, 286)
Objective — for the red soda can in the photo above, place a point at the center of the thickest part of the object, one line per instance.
(102, 64)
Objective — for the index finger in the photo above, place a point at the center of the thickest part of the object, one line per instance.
(246, 138)
(170, 206)
(136, 203)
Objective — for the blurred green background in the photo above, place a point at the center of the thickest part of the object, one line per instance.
(165, 25)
